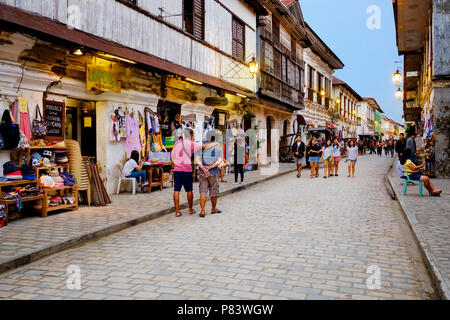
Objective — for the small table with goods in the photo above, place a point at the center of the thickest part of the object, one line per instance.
(155, 174)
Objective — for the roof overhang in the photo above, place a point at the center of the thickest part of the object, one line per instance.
(60, 31)
(319, 47)
(338, 82)
(411, 19)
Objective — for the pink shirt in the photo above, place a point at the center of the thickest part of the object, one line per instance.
(181, 159)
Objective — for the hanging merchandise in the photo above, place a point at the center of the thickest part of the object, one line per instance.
(142, 134)
(24, 118)
(9, 131)
(132, 142)
(113, 127)
(39, 129)
(121, 118)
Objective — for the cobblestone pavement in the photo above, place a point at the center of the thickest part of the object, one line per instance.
(430, 219)
(32, 233)
(284, 239)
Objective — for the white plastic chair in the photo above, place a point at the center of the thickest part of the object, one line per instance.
(122, 177)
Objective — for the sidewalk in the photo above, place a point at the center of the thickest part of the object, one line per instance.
(31, 238)
(429, 219)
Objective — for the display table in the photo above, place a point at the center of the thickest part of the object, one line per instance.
(155, 170)
(8, 202)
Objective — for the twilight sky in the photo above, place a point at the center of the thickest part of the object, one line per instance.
(369, 55)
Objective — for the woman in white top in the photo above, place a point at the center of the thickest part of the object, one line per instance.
(131, 168)
(327, 158)
(336, 156)
(352, 156)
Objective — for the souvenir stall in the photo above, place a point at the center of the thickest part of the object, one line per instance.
(148, 133)
(38, 175)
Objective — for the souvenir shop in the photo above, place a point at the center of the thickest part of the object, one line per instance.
(41, 172)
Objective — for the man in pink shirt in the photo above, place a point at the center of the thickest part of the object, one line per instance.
(182, 154)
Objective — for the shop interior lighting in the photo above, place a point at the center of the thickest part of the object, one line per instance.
(106, 55)
(193, 81)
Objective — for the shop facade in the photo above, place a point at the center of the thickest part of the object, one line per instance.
(97, 84)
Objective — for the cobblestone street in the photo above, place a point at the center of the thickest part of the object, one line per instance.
(287, 238)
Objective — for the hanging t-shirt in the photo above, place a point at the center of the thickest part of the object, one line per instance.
(132, 142)
(114, 134)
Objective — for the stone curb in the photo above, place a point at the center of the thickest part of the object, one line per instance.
(427, 255)
(95, 235)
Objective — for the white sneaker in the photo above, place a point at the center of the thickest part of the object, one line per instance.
(235, 183)
(241, 183)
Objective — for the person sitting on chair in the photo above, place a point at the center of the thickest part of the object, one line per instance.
(414, 174)
(131, 168)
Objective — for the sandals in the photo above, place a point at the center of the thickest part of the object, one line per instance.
(217, 211)
(201, 215)
(178, 215)
(193, 212)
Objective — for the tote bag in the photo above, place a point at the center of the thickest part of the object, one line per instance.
(39, 130)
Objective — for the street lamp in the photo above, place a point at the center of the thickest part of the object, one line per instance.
(399, 93)
(397, 77)
(338, 100)
(322, 93)
(253, 66)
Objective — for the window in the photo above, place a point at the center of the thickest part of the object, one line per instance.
(320, 82)
(275, 30)
(283, 68)
(285, 38)
(268, 57)
(238, 32)
(277, 63)
(193, 17)
(311, 77)
(299, 52)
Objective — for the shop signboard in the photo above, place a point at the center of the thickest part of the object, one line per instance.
(54, 118)
(103, 79)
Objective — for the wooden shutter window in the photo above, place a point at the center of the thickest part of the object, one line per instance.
(275, 30)
(199, 8)
(293, 49)
(238, 33)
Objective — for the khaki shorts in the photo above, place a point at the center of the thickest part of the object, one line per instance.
(211, 183)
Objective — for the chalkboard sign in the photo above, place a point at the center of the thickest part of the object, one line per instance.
(54, 118)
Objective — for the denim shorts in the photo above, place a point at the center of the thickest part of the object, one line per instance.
(414, 176)
(183, 179)
(314, 159)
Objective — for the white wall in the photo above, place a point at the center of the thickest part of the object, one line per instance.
(114, 21)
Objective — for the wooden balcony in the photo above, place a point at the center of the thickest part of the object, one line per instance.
(279, 90)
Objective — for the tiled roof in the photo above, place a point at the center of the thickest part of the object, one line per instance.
(287, 3)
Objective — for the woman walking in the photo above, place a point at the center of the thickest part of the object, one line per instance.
(314, 152)
(336, 156)
(327, 158)
(352, 156)
(298, 148)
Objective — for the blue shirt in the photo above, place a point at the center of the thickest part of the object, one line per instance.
(209, 157)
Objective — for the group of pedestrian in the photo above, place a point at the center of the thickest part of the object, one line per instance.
(186, 154)
(329, 152)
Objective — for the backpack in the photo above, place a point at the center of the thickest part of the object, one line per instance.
(9, 131)
(39, 129)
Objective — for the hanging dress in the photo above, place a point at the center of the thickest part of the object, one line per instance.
(132, 134)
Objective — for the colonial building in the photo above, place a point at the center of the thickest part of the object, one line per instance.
(366, 113)
(178, 57)
(423, 38)
(320, 64)
(282, 37)
(345, 108)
